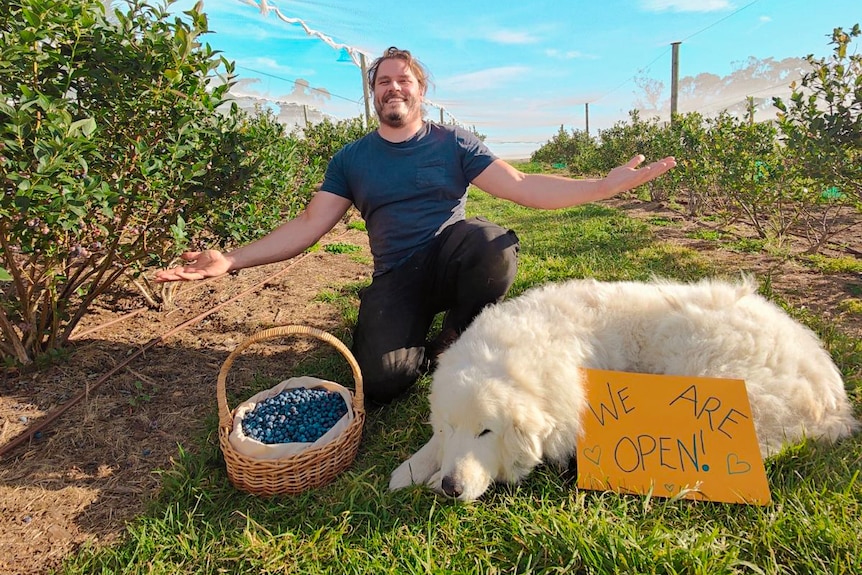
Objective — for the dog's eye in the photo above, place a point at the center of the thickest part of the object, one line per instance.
(484, 432)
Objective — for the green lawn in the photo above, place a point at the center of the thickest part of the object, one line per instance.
(201, 524)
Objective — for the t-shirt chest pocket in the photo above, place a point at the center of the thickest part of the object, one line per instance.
(431, 176)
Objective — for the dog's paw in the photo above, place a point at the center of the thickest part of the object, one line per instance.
(435, 481)
(417, 469)
(400, 478)
(414, 471)
(404, 476)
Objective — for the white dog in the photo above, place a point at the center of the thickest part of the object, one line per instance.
(508, 394)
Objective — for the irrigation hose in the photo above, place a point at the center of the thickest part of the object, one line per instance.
(180, 291)
(46, 421)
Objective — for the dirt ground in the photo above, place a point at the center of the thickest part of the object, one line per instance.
(148, 381)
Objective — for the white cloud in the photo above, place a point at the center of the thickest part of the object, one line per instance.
(274, 67)
(510, 37)
(569, 55)
(685, 5)
(488, 79)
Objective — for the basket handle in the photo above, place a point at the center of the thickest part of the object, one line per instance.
(280, 331)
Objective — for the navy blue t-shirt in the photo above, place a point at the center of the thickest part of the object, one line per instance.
(410, 191)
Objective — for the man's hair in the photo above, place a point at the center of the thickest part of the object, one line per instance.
(415, 66)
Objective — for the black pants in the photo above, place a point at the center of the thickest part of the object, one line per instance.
(468, 266)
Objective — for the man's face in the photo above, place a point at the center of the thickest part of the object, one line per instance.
(397, 94)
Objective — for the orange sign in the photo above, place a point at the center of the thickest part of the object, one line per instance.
(670, 436)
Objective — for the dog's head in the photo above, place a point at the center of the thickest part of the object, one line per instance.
(488, 430)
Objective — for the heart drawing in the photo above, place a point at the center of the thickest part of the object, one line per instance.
(736, 466)
(593, 454)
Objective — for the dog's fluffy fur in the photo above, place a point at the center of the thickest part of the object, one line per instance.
(508, 393)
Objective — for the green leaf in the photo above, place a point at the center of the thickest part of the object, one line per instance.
(31, 17)
(86, 127)
(174, 75)
(178, 231)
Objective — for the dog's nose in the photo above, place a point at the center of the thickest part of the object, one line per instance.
(451, 488)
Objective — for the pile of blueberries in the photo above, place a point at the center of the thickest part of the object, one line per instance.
(295, 415)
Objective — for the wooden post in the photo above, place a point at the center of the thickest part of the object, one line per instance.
(674, 80)
(364, 69)
(587, 117)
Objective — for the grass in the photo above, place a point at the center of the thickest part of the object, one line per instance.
(847, 264)
(341, 248)
(200, 524)
(345, 299)
(851, 306)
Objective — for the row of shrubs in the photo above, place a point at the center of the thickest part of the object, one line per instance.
(119, 147)
(798, 178)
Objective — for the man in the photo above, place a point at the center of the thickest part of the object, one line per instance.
(409, 180)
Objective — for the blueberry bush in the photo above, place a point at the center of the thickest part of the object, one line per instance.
(821, 131)
(575, 149)
(108, 139)
(119, 149)
(113, 157)
(285, 169)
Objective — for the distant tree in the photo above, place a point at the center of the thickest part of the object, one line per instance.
(652, 92)
(753, 82)
(303, 93)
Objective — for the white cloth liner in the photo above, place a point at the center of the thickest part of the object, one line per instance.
(253, 448)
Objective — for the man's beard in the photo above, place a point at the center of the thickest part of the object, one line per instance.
(395, 118)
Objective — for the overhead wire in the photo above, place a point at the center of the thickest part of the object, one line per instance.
(642, 68)
(734, 13)
(296, 82)
(646, 67)
(355, 54)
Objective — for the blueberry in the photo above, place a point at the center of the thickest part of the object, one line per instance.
(297, 414)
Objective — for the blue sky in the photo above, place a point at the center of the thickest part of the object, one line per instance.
(517, 71)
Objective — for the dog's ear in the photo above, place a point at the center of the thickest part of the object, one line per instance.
(525, 439)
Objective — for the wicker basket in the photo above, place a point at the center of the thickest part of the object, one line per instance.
(311, 468)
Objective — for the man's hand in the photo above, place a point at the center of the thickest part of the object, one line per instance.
(205, 264)
(629, 176)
